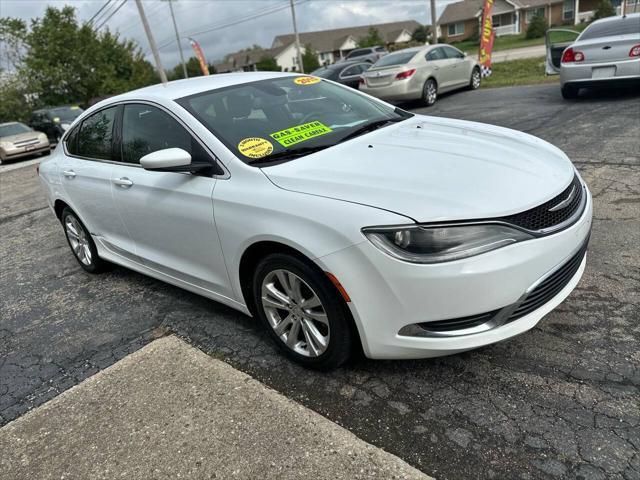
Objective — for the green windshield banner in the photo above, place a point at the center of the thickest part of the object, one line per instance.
(300, 133)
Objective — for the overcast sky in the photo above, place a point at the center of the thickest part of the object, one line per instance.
(194, 16)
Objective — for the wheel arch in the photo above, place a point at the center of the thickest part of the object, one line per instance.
(58, 206)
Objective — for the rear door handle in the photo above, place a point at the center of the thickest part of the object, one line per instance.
(123, 182)
(69, 173)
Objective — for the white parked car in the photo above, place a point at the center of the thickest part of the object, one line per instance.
(333, 217)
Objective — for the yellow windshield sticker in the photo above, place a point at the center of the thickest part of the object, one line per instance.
(306, 80)
(74, 107)
(255, 147)
(300, 133)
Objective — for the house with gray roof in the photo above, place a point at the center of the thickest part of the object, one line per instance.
(333, 45)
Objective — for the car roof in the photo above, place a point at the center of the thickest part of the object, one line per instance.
(8, 123)
(183, 88)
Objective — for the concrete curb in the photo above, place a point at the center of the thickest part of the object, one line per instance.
(170, 411)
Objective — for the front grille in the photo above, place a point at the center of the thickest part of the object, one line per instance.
(550, 286)
(540, 217)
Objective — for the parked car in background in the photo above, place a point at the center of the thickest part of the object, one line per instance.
(54, 121)
(368, 54)
(310, 206)
(421, 73)
(346, 73)
(17, 141)
(605, 54)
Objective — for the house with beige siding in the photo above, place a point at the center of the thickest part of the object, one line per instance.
(461, 20)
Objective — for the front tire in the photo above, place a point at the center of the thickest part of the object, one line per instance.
(475, 80)
(569, 92)
(302, 311)
(429, 92)
(81, 243)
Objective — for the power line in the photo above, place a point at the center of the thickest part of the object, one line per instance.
(112, 14)
(105, 14)
(96, 14)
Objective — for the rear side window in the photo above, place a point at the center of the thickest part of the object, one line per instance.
(451, 52)
(359, 53)
(435, 54)
(95, 138)
(399, 58)
(147, 129)
(621, 26)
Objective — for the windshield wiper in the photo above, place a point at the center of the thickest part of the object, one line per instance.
(289, 154)
(370, 127)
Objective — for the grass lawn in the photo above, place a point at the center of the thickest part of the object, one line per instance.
(518, 72)
(507, 42)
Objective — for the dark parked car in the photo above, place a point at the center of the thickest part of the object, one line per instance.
(368, 54)
(54, 121)
(347, 73)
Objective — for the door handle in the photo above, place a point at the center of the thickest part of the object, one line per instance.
(69, 173)
(123, 182)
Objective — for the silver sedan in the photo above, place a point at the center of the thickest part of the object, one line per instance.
(421, 73)
(606, 53)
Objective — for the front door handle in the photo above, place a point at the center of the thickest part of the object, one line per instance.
(69, 173)
(123, 182)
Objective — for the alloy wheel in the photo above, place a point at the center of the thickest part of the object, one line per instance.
(432, 93)
(78, 240)
(295, 312)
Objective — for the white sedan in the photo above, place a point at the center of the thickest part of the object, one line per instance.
(333, 217)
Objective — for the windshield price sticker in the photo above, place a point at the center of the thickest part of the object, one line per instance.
(306, 80)
(300, 133)
(255, 147)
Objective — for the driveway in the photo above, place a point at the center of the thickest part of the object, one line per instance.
(560, 401)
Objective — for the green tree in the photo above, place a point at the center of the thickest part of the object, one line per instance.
(537, 27)
(420, 34)
(372, 39)
(269, 64)
(605, 9)
(60, 61)
(310, 59)
(193, 69)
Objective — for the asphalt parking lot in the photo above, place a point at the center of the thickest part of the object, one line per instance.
(561, 401)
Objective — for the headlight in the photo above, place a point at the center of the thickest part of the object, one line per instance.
(6, 144)
(423, 244)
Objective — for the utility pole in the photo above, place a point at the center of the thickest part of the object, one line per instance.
(175, 27)
(434, 23)
(152, 42)
(295, 31)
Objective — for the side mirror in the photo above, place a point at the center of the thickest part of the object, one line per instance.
(167, 159)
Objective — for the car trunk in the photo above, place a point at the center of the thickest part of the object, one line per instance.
(381, 77)
(607, 49)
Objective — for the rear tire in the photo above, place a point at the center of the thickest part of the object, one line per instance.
(429, 92)
(302, 311)
(81, 242)
(569, 92)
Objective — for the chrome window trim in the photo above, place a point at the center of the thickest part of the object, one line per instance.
(225, 176)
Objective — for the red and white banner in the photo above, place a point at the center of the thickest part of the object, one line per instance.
(487, 34)
(200, 56)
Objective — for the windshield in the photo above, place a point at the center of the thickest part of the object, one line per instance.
(621, 26)
(65, 114)
(279, 118)
(399, 58)
(13, 129)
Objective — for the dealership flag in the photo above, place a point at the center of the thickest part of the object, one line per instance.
(486, 39)
(200, 55)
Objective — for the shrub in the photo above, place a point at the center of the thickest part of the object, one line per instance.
(605, 9)
(537, 27)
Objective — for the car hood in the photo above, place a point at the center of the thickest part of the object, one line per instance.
(434, 169)
(20, 137)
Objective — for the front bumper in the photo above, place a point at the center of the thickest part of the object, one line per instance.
(389, 295)
(582, 75)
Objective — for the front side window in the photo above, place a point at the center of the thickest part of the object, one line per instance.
(351, 71)
(281, 118)
(95, 136)
(147, 129)
(455, 29)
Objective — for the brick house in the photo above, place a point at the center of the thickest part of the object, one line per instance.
(460, 20)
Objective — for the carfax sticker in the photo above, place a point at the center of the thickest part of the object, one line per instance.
(300, 133)
(306, 80)
(255, 147)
